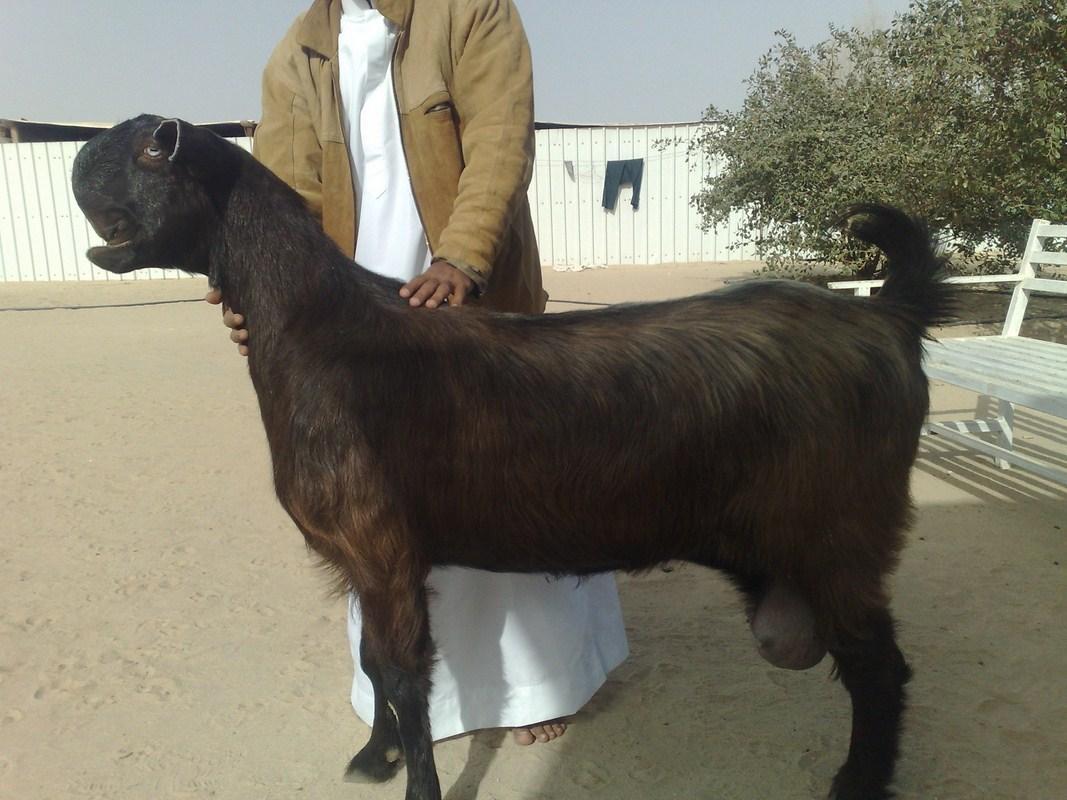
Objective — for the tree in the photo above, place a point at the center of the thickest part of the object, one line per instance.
(957, 112)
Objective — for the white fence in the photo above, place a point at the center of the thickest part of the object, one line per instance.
(43, 235)
(575, 231)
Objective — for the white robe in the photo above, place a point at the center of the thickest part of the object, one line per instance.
(512, 650)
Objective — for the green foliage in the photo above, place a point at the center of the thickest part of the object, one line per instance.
(958, 112)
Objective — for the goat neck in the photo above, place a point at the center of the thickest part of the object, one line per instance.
(274, 265)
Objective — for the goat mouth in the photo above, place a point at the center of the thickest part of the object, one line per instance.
(112, 246)
(118, 231)
(118, 255)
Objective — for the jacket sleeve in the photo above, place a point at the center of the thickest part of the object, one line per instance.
(286, 140)
(493, 94)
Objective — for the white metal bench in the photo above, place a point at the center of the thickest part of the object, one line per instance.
(1010, 368)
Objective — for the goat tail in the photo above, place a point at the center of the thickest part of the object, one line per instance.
(915, 272)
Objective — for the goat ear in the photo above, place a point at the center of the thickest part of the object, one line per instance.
(169, 134)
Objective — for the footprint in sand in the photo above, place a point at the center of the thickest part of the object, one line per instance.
(822, 750)
(647, 772)
(94, 789)
(109, 656)
(809, 758)
(161, 688)
(590, 775)
(143, 754)
(131, 586)
(33, 623)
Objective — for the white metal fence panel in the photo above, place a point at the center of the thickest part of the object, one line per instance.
(44, 236)
(574, 230)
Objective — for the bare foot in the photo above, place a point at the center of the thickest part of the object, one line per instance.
(544, 732)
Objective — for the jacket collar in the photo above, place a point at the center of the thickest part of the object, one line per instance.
(396, 11)
(322, 23)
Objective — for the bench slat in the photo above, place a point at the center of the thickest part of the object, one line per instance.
(1052, 285)
(1045, 229)
(976, 375)
(1048, 257)
(995, 451)
(980, 383)
(1026, 371)
(1032, 395)
(1045, 383)
(1010, 351)
(1015, 352)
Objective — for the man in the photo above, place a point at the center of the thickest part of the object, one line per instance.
(410, 122)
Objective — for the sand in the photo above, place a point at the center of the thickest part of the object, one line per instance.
(164, 634)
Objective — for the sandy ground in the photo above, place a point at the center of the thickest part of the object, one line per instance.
(163, 633)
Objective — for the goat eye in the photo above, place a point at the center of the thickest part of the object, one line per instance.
(152, 151)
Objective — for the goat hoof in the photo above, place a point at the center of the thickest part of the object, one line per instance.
(373, 766)
(851, 784)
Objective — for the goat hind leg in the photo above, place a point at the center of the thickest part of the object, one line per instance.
(874, 672)
(381, 757)
(408, 692)
(396, 622)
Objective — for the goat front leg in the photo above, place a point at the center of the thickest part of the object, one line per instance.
(396, 629)
(381, 757)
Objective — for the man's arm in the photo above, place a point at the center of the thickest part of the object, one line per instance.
(286, 140)
(493, 94)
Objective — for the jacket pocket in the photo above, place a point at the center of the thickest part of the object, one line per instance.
(439, 108)
(435, 160)
(436, 124)
(442, 107)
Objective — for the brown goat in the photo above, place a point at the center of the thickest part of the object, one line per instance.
(766, 430)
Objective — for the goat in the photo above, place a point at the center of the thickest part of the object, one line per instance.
(766, 430)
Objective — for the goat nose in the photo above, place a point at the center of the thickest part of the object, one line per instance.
(108, 223)
(118, 227)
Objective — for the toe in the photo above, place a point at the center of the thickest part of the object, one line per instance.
(543, 732)
(523, 736)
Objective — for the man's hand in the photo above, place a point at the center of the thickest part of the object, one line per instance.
(236, 322)
(439, 283)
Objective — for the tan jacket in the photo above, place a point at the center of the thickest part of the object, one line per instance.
(464, 93)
